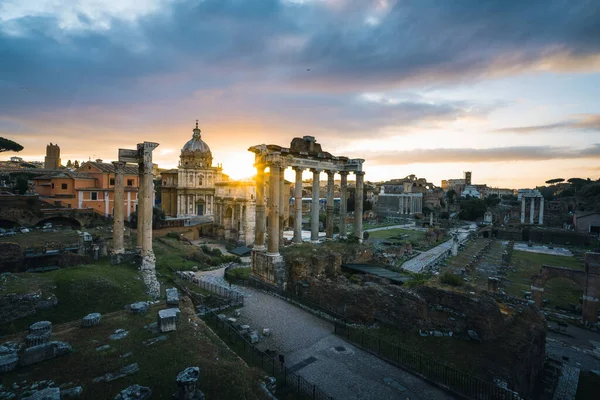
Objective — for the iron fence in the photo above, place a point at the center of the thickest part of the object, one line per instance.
(285, 379)
(449, 378)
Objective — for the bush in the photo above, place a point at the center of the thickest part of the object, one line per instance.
(451, 279)
(173, 235)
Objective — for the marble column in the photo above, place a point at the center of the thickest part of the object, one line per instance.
(128, 205)
(119, 213)
(140, 208)
(106, 205)
(358, 205)
(148, 265)
(298, 206)
(523, 209)
(259, 239)
(532, 210)
(283, 197)
(541, 216)
(330, 205)
(273, 242)
(343, 202)
(314, 207)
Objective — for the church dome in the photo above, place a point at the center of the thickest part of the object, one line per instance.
(196, 143)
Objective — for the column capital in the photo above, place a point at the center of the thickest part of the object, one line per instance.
(299, 169)
(343, 173)
(119, 166)
(361, 173)
(330, 174)
(316, 170)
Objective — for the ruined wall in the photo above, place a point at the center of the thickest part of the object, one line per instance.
(15, 306)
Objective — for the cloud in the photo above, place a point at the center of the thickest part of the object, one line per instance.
(586, 122)
(498, 154)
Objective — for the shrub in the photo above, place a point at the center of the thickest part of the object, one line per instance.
(451, 279)
(173, 235)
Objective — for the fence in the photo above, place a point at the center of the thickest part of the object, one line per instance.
(234, 298)
(286, 380)
(458, 382)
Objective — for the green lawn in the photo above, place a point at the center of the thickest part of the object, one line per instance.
(390, 234)
(558, 292)
(222, 374)
(81, 290)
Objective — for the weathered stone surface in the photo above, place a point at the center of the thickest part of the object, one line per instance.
(187, 381)
(266, 332)
(167, 319)
(112, 376)
(72, 393)
(103, 348)
(9, 348)
(41, 326)
(15, 306)
(8, 362)
(222, 317)
(141, 307)
(37, 338)
(135, 392)
(46, 394)
(44, 351)
(473, 335)
(253, 337)
(150, 342)
(90, 320)
(119, 334)
(172, 297)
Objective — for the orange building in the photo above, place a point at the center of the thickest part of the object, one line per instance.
(92, 186)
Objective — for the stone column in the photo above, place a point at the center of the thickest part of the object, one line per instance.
(314, 207)
(358, 205)
(128, 205)
(541, 217)
(119, 214)
(273, 244)
(106, 205)
(298, 206)
(343, 202)
(532, 210)
(140, 207)
(330, 205)
(148, 267)
(259, 239)
(282, 199)
(80, 199)
(523, 209)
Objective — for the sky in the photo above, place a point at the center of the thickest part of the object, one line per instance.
(505, 89)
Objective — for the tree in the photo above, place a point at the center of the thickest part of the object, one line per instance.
(451, 194)
(472, 209)
(157, 215)
(22, 185)
(76, 164)
(69, 164)
(492, 200)
(555, 180)
(9, 145)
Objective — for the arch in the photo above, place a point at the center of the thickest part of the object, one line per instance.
(64, 221)
(588, 280)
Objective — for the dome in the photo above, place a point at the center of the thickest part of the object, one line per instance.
(196, 143)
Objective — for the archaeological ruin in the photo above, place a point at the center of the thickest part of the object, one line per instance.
(303, 153)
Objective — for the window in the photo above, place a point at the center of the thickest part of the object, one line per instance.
(93, 195)
(53, 186)
(64, 186)
(112, 181)
(129, 182)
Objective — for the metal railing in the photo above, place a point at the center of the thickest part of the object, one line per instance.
(449, 378)
(234, 298)
(286, 380)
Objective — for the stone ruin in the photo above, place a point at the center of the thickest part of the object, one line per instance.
(187, 382)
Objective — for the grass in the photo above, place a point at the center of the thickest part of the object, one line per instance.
(99, 287)
(559, 291)
(222, 374)
(37, 238)
(410, 235)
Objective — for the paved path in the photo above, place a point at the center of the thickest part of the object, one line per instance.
(426, 258)
(309, 347)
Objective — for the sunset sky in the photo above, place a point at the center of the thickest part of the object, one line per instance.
(507, 89)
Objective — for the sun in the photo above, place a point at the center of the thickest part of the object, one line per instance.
(239, 165)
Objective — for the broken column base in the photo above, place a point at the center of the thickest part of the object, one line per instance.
(148, 269)
(269, 268)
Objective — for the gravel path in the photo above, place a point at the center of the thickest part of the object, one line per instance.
(309, 347)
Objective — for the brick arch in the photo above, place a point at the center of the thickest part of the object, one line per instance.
(588, 280)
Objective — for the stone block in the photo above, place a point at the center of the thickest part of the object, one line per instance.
(231, 320)
(37, 338)
(72, 393)
(266, 332)
(134, 392)
(41, 326)
(222, 317)
(46, 394)
(167, 319)
(237, 313)
(119, 334)
(44, 352)
(8, 362)
(187, 381)
(90, 320)
(141, 307)
(113, 376)
(172, 297)
(253, 337)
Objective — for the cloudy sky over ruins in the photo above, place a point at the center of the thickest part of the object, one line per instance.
(508, 89)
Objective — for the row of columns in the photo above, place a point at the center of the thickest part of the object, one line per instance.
(532, 210)
(277, 199)
(409, 204)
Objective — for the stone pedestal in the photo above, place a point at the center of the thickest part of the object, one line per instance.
(41, 326)
(269, 268)
(37, 338)
(167, 319)
(172, 297)
(187, 382)
(90, 320)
